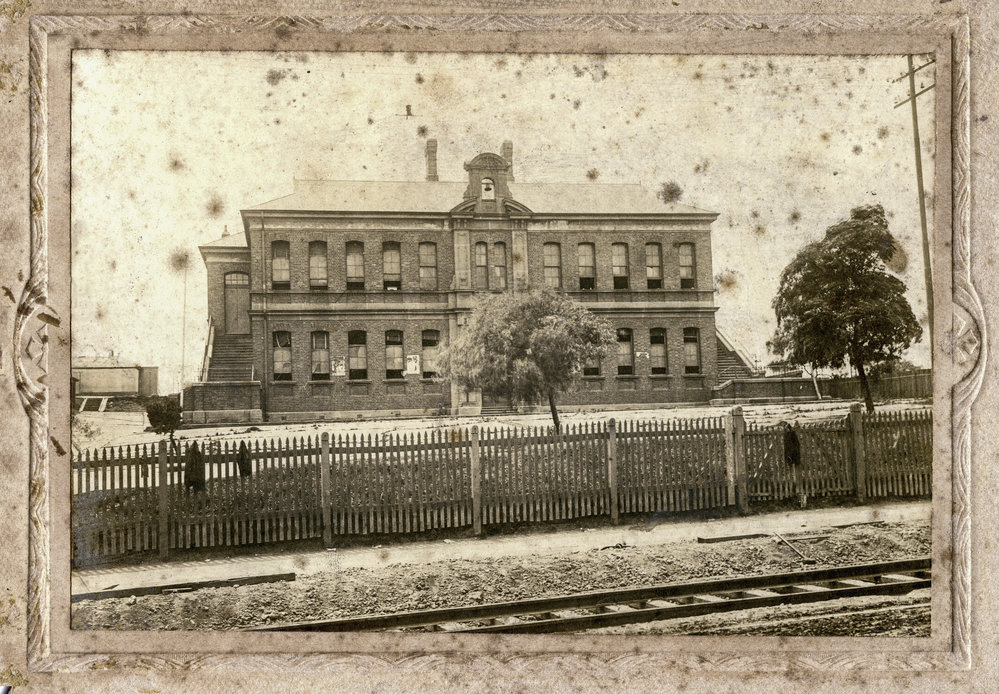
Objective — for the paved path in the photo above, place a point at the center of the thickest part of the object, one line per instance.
(523, 544)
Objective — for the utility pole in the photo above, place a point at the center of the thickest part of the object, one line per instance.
(183, 339)
(927, 271)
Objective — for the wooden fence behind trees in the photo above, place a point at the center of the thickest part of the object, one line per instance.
(155, 499)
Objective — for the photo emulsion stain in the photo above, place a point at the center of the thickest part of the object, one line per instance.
(521, 343)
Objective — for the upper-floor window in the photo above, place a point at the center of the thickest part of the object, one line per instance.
(320, 355)
(653, 266)
(553, 265)
(357, 355)
(394, 362)
(657, 351)
(587, 266)
(355, 266)
(488, 189)
(431, 348)
(619, 265)
(625, 352)
(391, 266)
(688, 267)
(318, 275)
(280, 265)
(282, 355)
(499, 266)
(691, 351)
(481, 278)
(428, 266)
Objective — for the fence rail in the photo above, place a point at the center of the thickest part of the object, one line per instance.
(141, 499)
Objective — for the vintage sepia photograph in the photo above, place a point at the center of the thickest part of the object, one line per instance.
(623, 343)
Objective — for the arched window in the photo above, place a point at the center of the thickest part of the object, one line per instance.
(488, 189)
(688, 266)
(357, 355)
(625, 352)
(320, 355)
(657, 351)
(691, 351)
(553, 265)
(619, 265)
(280, 265)
(355, 266)
(499, 266)
(394, 362)
(587, 267)
(282, 355)
(391, 266)
(654, 266)
(431, 347)
(317, 265)
(481, 277)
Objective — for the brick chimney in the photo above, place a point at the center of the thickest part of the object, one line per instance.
(507, 154)
(432, 160)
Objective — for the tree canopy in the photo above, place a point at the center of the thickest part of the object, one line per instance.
(164, 415)
(838, 302)
(526, 346)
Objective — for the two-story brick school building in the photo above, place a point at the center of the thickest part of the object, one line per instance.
(335, 300)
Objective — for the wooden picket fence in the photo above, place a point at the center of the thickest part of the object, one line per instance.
(135, 500)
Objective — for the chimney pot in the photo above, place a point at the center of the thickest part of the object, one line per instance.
(431, 160)
(507, 154)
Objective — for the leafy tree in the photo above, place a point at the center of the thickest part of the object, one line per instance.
(164, 415)
(837, 301)
(527, 346)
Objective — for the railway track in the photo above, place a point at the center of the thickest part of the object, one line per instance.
(607, 608)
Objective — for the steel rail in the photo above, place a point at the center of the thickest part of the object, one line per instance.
(650, 603)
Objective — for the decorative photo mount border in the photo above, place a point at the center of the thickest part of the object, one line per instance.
(41, 335)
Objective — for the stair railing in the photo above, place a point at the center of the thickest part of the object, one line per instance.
(209, 348)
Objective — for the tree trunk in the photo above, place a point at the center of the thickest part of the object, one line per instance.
(551, 404)
(865, 387)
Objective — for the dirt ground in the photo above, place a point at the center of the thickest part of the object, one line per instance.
(127, 428)
(398, 587)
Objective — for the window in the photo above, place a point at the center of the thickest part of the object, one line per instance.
(431, 347)
(553, 265)
(391, 266)
(591, 367)
(355, 266)
(282, 355)
(688, 276)
(499, 266)
(481, 279)
(619, 265)
(657, 351)
(488, 189)
(317, 265)
(357, 355)
(237, 279)
(653, 266)
(625, 352)
(393, 354)
(428, 266)
(320, 355)
(280, 265)
(587, 267)
(691, 351)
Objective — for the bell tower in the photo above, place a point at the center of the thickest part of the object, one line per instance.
(488, 176)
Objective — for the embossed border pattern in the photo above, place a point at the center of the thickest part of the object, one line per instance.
(965, 344)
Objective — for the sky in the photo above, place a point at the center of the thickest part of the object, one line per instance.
(168, 147)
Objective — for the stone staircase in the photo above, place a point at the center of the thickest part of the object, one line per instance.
(232, 358)
(730, 365)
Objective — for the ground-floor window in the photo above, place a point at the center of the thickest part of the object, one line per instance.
(320, 355)
(357, 355)
(591, 367)
(625, 352)
(282, 355)
(657, 351)
(691, 351)
(394, 362)
(431, 346)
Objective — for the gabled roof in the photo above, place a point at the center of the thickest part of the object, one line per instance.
(441, 196)
(230, 241)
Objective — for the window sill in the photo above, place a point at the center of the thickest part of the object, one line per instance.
(661, 377)
(321, 382)
(626, 377)
(435, 380)
(597, 377)
(698, 375)
(393, 380)
(358, 381)
(282, 383)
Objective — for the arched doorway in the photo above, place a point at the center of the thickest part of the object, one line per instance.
(237, 303)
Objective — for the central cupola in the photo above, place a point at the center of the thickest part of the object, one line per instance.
(488, 178)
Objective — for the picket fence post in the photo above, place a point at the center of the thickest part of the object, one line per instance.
(162, 517)
(612, 468)
(858, 451)
(475, 475)
(735, 458)
(324, 488)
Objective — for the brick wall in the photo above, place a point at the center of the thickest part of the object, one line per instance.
(216, 272)
(222, 396)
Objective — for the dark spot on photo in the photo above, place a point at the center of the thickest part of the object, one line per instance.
(882, 132)
(215, 205)
(422, 131)
(275, 76)
(592, 174)
(794, 217)
(857, 149)
(576, 104)
(176, 163)
(825, 137)
(670, 191)
(419, 78)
